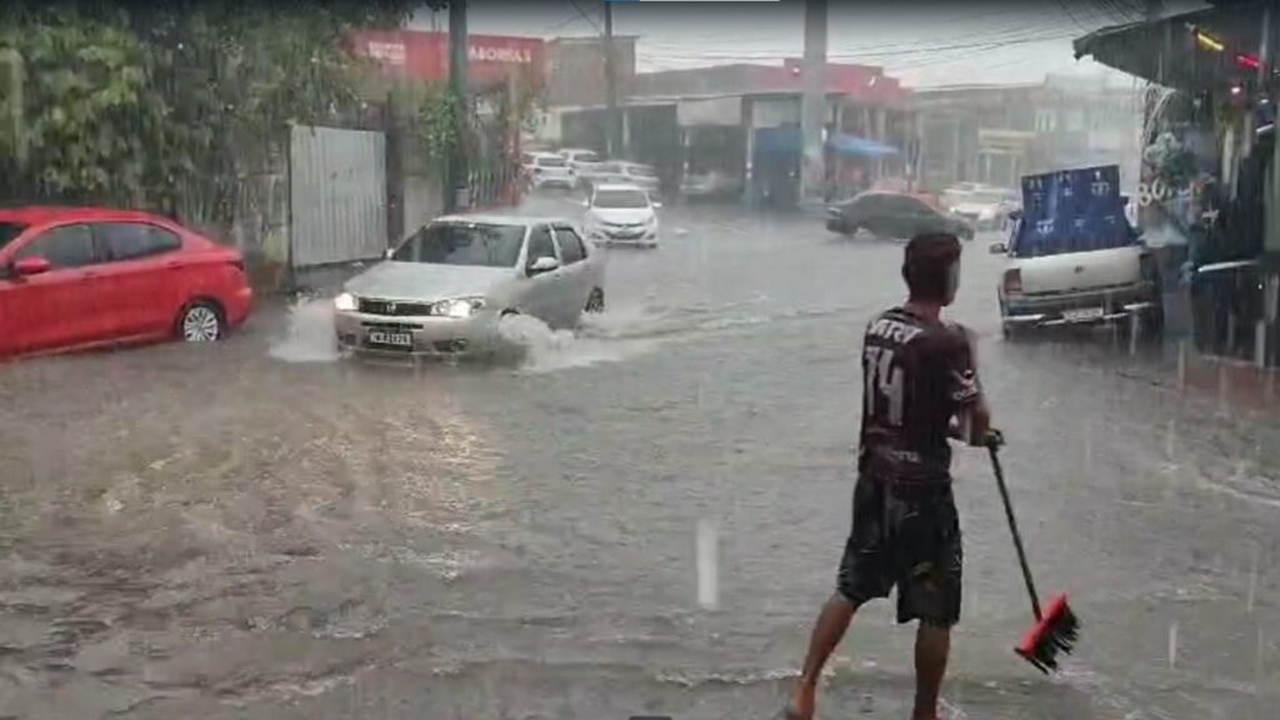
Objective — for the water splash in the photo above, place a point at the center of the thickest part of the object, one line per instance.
(541, 349)
(309, 335)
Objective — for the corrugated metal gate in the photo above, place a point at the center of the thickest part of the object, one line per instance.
(337, 195)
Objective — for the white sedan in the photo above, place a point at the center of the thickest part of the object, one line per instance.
(443, 290)
(621, 215)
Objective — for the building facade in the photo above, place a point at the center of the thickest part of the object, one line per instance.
(741, 122)
(995, 134)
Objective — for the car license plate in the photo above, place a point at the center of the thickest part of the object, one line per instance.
(393, 339)
(1082, 314)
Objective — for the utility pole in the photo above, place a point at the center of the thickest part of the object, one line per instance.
(813, 104)
(458, 191)
(613, 126)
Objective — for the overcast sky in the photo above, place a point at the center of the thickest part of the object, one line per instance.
(924, 43)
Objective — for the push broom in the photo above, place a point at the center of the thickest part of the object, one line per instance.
(1056, 628)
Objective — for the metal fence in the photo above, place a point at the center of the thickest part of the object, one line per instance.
(337, 195)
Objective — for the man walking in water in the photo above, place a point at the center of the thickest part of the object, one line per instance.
(920, 387)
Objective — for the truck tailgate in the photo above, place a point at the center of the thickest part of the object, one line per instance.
(1081, 271)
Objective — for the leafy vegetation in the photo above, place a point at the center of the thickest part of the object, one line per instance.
(169, 105)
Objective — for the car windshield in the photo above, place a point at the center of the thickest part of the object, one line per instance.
(9, 231)
(586, 157)
(464, 244)
(621, 199)
(641, 170)
(550, 161)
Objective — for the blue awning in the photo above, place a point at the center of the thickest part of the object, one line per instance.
(850, 145)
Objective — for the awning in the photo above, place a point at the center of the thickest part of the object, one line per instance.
(1165, 51)
(851, 145)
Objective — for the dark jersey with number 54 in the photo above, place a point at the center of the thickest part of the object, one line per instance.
(917, 375)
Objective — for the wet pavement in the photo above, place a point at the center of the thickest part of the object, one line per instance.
(260, 530)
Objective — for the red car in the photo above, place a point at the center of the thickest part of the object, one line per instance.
(79, 278)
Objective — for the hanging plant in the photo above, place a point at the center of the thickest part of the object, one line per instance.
(435, 130)
(1172, 162)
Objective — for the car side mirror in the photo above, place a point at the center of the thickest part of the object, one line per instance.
(999, 248)
(31, 266)
(656, 205)
(544, 264)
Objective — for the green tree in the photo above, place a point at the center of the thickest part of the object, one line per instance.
(89, 112)
(174, 104)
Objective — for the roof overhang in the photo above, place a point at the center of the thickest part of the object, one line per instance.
(1166, 52)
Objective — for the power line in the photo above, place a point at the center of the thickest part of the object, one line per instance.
(586, 17)
(578, 14)
(1008, 33)
(870, 53)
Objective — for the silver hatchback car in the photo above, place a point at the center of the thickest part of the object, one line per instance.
(444, 289)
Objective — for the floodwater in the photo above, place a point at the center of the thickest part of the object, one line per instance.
(639, 519)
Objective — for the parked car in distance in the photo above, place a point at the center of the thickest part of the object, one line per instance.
(893, 215)
(987, 208)
(79, 278)
(642, 176)
(444, 289)
(960, 192)
(546, 170)
(602, 173)
(621, 172)
(621, 215)
(582, 161)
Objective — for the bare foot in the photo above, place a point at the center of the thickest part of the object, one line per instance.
(801, 705)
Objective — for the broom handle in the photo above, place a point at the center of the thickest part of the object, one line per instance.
(1013, 528)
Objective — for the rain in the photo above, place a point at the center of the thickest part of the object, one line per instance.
(473, 359)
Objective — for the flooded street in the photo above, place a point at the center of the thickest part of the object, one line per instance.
(261, 529)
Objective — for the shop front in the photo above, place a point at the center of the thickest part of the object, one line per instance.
(1204, 190)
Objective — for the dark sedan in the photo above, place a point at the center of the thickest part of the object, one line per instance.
(893, 215)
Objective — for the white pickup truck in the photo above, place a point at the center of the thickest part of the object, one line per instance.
(1080, 279)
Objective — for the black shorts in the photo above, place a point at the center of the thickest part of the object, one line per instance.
(904, 536)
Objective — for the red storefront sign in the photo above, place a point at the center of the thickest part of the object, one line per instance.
(425, 55)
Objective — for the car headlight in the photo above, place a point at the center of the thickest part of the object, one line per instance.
(457, 307)
(345, 302)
